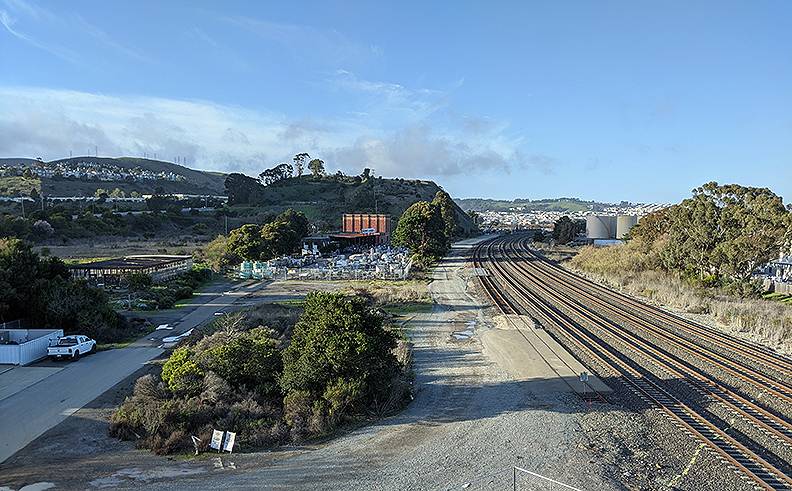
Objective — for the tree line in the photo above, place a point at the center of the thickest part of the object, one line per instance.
(42, 291)
(253, 242)
(720, 235)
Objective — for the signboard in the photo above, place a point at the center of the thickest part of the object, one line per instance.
(222, 440)
(217, 440)
(228, 444)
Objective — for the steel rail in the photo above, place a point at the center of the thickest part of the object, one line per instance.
(758, 417)
(760, 354)
(749, 375)
(732, 451)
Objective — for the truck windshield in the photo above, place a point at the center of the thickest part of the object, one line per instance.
(67, 341)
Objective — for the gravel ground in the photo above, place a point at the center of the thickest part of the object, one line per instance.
(469, 424)
(775, 451)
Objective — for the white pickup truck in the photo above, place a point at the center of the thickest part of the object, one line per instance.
(71, 347)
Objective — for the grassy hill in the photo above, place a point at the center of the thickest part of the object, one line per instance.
(556, 204)
(325, 199)
(195, 181)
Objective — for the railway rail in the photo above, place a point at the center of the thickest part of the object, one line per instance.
(582, 313)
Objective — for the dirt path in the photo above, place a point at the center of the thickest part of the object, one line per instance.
(469, 424)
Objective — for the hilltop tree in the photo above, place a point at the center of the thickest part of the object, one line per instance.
(299, 163)
(275, 174)
(242, 189)
(317, 167)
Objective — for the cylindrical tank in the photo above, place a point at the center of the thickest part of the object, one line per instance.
(624, 223)
(600, 227)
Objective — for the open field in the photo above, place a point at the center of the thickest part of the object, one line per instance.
(767, 321)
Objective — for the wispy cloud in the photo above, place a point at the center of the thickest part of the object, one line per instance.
(50, 123)
(327, 46)
(9, 23)
(16, 12)
(108, 41)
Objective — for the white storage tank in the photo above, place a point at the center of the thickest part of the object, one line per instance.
(624, 223)
(600, 227)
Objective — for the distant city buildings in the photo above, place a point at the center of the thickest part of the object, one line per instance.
(520, 217)
(89, 171)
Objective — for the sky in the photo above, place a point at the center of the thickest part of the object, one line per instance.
(604, 100)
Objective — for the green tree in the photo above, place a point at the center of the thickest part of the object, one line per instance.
(242, 189)
(138, 282)
(445, 205)
(339, 354)
(299, 163)
(317, 167)
(565, 229)
(23, 277)
(421, 230)
(246, 242)
(117, 193)
(297, 222)
(251, 360)
(217, 254)
(725, 231)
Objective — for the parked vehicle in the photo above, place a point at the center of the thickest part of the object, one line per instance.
(71, 347)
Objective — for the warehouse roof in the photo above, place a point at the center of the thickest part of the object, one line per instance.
(131, 262)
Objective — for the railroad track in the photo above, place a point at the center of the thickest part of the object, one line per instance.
(522, 282)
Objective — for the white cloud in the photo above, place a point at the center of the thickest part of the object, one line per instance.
(47, 123)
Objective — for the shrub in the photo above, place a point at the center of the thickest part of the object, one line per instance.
(340, 361)
(181, 373)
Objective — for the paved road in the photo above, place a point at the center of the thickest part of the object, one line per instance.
(33, 400)
(35, 409)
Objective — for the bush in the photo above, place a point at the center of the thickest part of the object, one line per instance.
(341, 357)
(340, 364)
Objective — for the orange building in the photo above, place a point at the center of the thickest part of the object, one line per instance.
(365, 228)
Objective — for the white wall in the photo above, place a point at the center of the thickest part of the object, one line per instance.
(34, 349)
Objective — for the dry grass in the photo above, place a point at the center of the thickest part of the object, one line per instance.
(628, 269)
(392, 293)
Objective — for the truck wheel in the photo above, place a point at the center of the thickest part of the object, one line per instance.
(76, 355)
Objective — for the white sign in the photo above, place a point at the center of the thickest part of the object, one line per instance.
(217, 440)
(228, 445)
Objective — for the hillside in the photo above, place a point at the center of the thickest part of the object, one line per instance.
(556, 204)
(324, 199)
(81, 176)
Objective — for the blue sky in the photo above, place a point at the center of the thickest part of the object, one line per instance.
(603, 100)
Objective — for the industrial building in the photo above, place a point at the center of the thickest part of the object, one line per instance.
(364, 229)
(159, 267)
(609, 227)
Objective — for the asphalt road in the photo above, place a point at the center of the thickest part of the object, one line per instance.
(30, 410)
